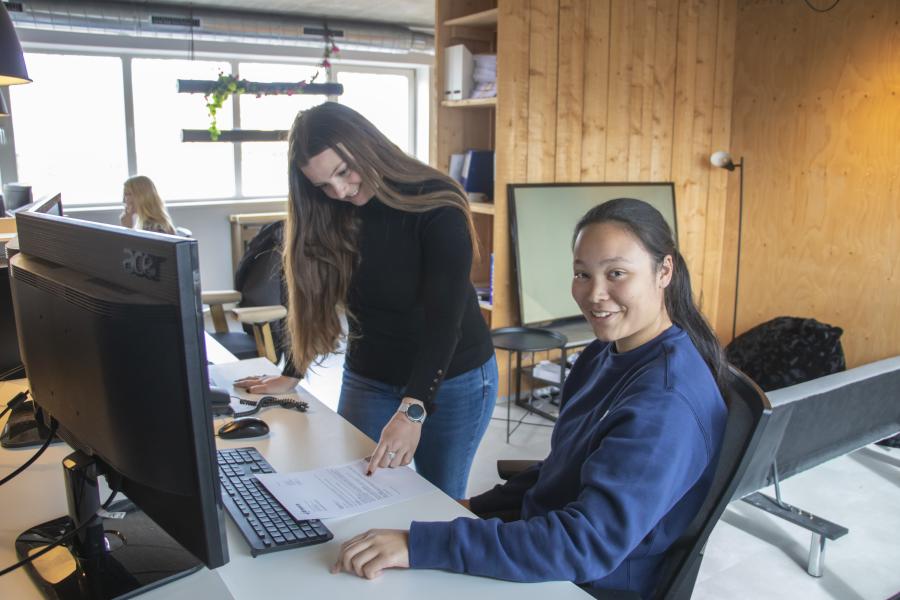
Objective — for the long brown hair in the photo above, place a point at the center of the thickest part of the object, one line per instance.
(320, 250)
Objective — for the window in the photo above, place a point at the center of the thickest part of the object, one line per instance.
(181, 171)
(383, 98)
(264, 164)
(72, 133)
(69, 127)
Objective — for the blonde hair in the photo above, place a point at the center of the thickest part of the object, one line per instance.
(320, 234)
(149, 209)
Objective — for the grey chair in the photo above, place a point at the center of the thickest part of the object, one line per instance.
(748, 414)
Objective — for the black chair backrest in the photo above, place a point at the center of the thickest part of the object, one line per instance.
(259, 278)
(748, 414)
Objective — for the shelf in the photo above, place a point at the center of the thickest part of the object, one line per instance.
(484, 208)
(485, 305)
(470, 103)
(485, 18)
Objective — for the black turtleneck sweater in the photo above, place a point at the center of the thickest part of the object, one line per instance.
(415, 316)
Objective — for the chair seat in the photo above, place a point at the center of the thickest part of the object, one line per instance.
(240, 344)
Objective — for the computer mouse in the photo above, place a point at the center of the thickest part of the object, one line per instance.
(243, 428)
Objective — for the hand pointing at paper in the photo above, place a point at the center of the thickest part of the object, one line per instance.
(399, 439)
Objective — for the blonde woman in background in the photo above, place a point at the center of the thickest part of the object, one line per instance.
(144, 209)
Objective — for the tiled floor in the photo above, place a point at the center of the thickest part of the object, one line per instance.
(750, 553)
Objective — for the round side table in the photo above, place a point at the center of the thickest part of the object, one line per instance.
(519, 341)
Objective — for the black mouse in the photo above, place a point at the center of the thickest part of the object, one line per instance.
(243, 428)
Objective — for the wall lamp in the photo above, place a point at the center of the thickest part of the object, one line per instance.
(723, 160)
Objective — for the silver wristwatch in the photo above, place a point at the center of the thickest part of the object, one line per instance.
(414, 412)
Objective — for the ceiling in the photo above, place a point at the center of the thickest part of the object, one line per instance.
(416, 13)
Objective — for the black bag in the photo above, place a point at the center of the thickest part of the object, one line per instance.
(259, 277)
(786, 351)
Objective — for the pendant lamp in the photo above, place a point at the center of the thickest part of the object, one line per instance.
(12, 62)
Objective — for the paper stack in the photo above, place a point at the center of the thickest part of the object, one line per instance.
(485, 76)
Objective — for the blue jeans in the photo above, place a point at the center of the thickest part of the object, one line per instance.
(450, 435)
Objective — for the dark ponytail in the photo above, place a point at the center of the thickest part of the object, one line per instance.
(648, 225)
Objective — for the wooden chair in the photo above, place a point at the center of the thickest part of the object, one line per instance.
(260, 319)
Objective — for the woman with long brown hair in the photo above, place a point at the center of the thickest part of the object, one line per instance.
(387, 241)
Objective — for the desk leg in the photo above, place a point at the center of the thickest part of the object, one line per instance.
(508, 391)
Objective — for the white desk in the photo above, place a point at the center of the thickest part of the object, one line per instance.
(296, 441)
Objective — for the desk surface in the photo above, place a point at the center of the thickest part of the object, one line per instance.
(296, 441)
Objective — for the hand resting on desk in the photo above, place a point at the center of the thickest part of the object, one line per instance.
(267, 384)
(370, 553)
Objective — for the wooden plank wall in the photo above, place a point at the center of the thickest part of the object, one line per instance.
(618, 90)
(817, 118)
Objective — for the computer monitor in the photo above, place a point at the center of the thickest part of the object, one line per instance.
(16, 195)
(111, 335)
(542, 220)
(10, 362)
(50, 204)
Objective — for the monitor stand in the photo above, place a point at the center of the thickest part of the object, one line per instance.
(118, 556)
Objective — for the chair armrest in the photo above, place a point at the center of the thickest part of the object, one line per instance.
(254, 315)
(508, 469)
(220, 297)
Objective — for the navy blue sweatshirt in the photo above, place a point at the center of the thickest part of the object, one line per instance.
(631, 459)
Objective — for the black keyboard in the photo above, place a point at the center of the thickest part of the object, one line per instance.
(264, 523)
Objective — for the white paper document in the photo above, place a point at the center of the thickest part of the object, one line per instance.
(343, 490)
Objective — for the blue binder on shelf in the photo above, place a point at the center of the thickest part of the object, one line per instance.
(477, 176)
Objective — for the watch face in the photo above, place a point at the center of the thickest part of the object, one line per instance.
(415, 412)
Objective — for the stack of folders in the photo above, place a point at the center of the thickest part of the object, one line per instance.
(474, 170)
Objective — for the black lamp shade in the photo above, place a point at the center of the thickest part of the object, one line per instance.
(12, 63)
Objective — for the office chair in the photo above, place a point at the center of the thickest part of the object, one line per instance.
(259, 295)
(748, 413)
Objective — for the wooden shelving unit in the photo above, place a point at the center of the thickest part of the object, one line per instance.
(470, 103)
(482, 208)
(462, 125)
(485, 18)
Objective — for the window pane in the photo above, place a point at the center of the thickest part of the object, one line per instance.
(383, 99)
(180, 170)
(264, 164)
(70, 127)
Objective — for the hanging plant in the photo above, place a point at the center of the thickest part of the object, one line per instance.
(225, 86)
(228, 84)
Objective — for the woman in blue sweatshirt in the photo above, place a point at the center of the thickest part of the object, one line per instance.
(635, 447)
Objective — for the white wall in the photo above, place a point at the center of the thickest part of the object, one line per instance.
(210, 226)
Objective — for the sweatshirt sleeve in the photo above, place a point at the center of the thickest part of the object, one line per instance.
(506, 496)
(650, 456)
(446, 262)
